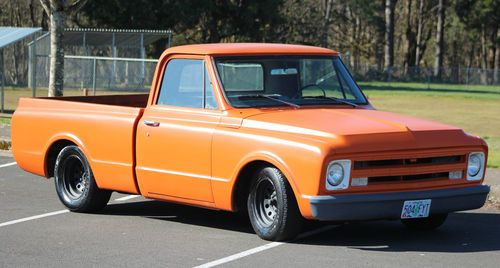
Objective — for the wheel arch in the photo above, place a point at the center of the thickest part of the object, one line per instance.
(244, 177)
(55, 145)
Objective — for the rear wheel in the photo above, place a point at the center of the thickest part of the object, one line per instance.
(425, 224)
(75, 183)
(272, 207)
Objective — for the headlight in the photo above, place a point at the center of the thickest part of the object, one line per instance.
(337, 174)
(475, 166)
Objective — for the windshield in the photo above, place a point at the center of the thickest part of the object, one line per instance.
(266, 81)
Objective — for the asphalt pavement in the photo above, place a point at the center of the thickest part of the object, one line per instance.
(36, 230)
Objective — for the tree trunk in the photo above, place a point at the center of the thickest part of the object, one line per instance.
(44, 22)
(32, 12)
(56, 75)
(420, 28)
(389, 34)
(57, 11)
(326, 22)
(484, 65)
(470, 59)
(353, 41)
(496, 77)
(410, 38)
(438, 65)
(356, 50)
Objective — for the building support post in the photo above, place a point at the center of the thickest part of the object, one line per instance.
(94, 72)
(33, 66)
(2, 78)
(143, 56)
(169, 38)
(114, 61)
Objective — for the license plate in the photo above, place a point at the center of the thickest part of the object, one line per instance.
(416, 209)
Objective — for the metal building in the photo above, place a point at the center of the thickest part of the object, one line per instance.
(10, 36)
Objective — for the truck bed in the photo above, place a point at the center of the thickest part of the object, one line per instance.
(132, 100)
(104, 126)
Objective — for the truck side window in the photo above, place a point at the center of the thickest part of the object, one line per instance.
(183, 84)
(210, 102)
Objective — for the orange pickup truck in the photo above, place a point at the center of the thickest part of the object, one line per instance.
(281, 132)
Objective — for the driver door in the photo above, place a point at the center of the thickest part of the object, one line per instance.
(174, 136)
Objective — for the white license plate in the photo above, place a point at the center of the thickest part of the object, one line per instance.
(416, 209)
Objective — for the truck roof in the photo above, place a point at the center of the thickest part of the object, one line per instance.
(249, 49)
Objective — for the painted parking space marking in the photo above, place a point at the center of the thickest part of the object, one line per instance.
(8, 164)
(262, 248)
(54, 213)
(34, 217)
(128, 197)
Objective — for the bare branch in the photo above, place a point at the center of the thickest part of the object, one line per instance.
(76, 5)
(46, 6)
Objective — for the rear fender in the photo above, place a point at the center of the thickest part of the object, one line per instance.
(65, 136)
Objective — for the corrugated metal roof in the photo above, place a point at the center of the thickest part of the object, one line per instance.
(105, 30)
(9, 35)
(104, 37)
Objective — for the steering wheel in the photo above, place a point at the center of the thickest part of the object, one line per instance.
(299, 92)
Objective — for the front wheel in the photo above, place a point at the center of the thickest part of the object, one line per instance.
(426, 224)
(272, 207)
(75, 183)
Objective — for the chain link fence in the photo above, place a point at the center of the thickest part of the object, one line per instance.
(85, 75)
(101, 74)
(456, 75)
(105, 75)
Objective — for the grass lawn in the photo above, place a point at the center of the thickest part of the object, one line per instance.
(4, 121)
(476, 109)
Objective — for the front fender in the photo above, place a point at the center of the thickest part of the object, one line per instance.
(270, 158)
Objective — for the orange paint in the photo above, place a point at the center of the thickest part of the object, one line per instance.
(194, 156)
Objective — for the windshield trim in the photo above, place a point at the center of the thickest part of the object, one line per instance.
(231, 105)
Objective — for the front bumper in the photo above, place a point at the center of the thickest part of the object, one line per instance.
(352, 207)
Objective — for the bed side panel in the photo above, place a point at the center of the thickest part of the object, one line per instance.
(104, 132)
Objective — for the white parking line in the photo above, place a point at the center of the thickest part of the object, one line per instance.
(261, 248)
(240, 255)
(128, 197)
(52, 213)
(34, 217)
(8, 165)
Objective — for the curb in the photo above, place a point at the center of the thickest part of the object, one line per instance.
(6, 153)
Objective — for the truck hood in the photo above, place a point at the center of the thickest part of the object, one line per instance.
(361, 130)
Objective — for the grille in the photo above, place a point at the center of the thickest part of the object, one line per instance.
(409, 169)
(418, 177)
(455, 159)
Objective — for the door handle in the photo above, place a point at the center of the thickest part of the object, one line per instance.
(151, 123)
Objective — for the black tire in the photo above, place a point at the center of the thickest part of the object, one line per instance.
(75, 183)
(272, 207)
(426, 224)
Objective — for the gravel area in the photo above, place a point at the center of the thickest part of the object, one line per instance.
(5, 131)
(5, 137)
(493, 179)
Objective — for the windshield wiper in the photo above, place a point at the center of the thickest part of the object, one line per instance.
(269, 97)
(331, 98)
